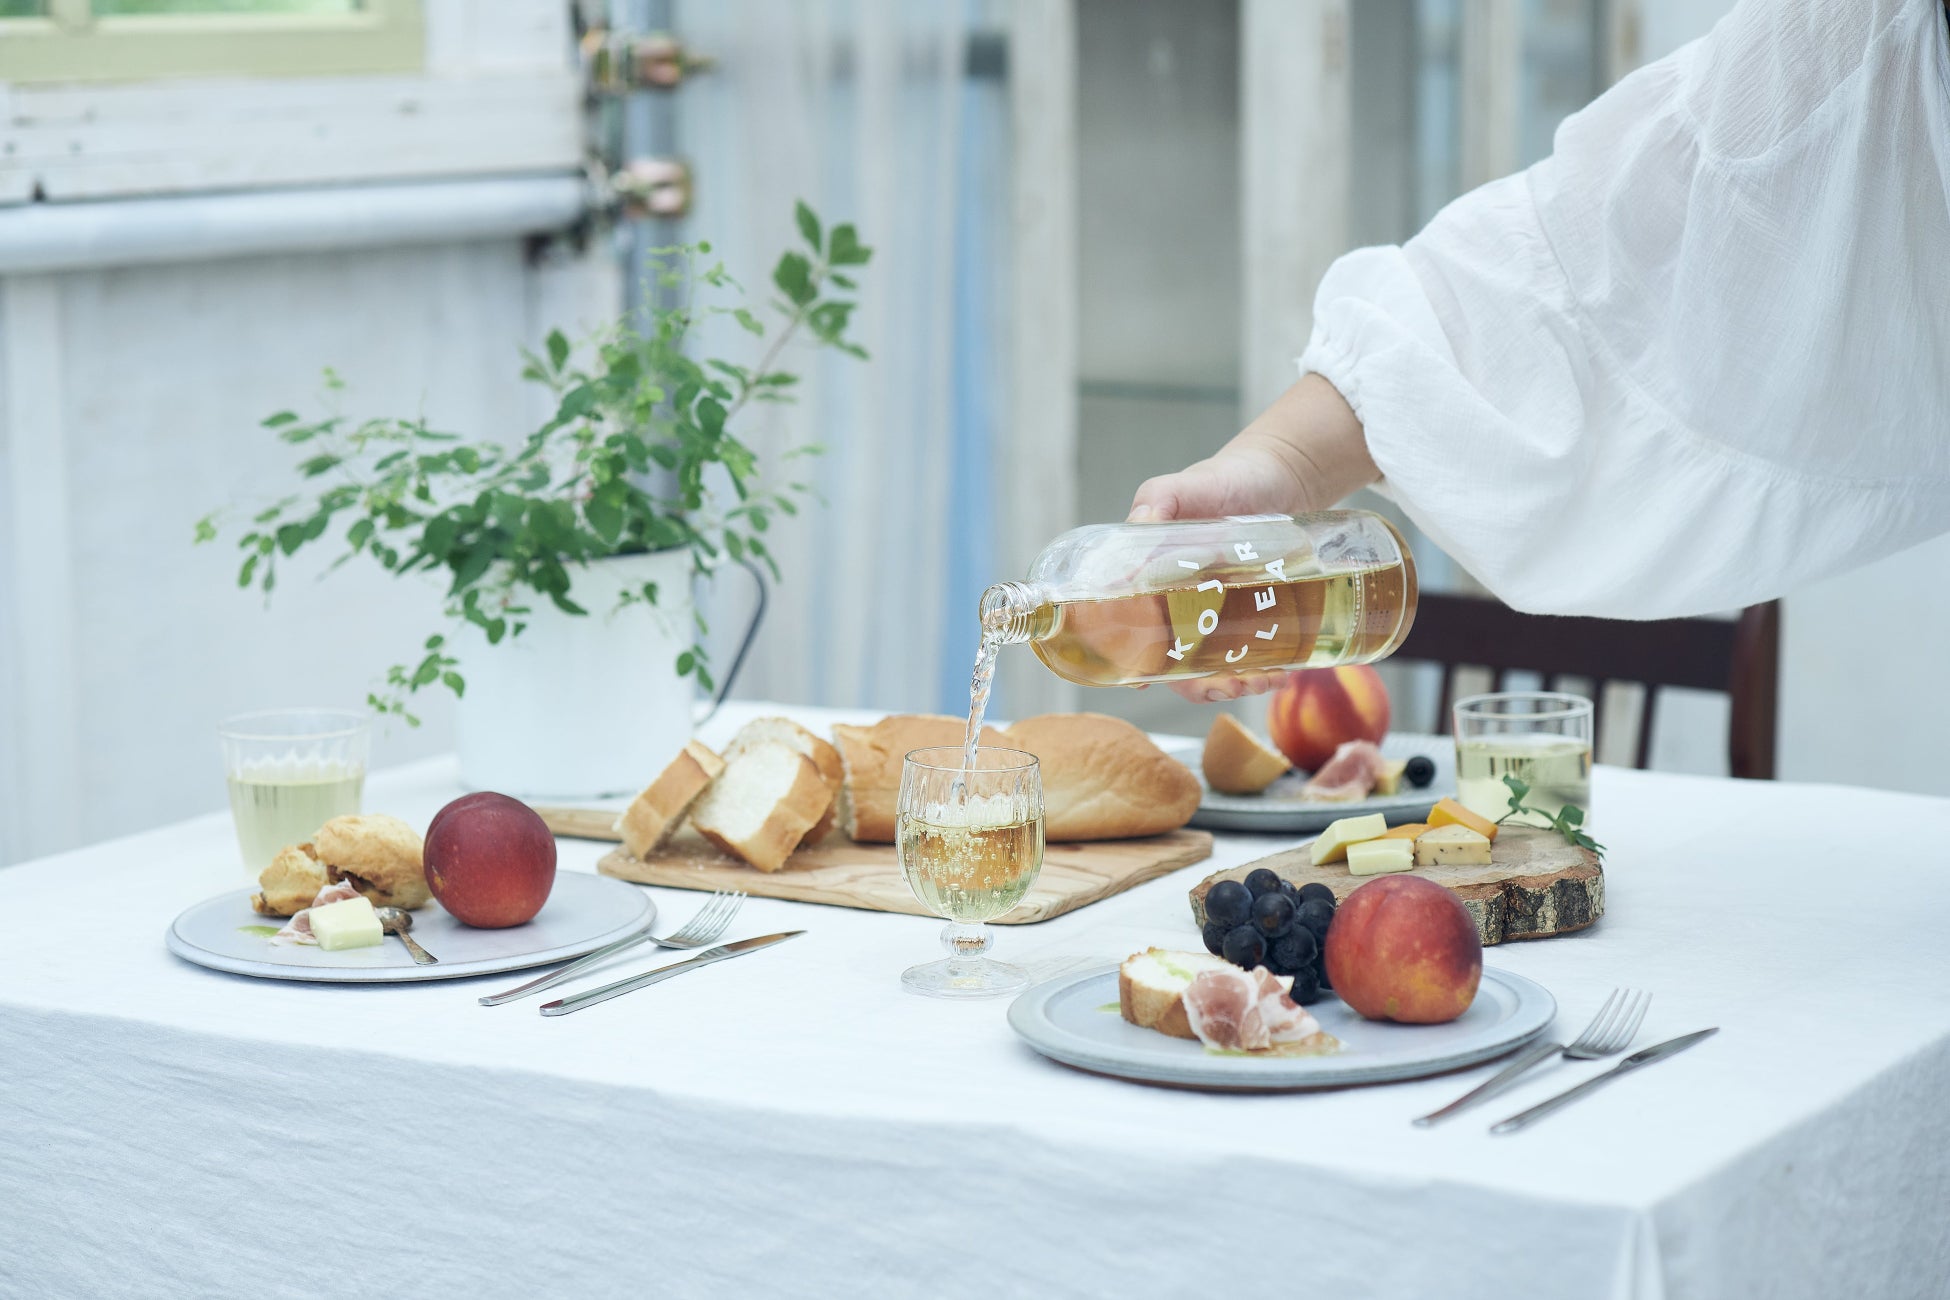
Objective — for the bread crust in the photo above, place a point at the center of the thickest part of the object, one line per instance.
(873, 756)
(1150, 1008)
(824, 757)
(655, 813)
(1103, 779)
(380, 855)
(290, 882)
(1238, 762)
(792, 815)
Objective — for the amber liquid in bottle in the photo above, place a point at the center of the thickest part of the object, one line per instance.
(1226, 627)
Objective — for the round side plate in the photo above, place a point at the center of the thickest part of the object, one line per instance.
(583, 913)
(1074, 1020)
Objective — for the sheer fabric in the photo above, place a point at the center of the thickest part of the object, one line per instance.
(1701, 354)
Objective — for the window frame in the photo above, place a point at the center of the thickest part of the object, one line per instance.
(72, 44)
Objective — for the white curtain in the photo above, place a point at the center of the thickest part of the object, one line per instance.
(856, 108)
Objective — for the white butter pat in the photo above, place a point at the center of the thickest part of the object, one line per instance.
(350, 924)
(1379, 857)
(1452, 846)
(1333, 842)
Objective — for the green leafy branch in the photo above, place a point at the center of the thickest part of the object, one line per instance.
(624, 466)
(1567, 821)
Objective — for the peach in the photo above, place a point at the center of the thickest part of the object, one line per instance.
(1320, 709)
(490, 860)
(1403, 948)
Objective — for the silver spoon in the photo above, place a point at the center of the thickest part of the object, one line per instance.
(394, 921)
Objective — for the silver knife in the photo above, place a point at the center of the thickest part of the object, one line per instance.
(723, 952)
(574, 968)
(1656, 1052)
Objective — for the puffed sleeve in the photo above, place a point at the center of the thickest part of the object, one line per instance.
(1698, 356)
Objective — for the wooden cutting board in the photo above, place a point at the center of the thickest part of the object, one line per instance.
(1536, 885)
(844, 874)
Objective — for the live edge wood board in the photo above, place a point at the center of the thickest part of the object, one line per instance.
(1536, 885)
(844, 874)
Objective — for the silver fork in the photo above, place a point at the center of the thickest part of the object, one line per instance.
(1608, 1034)
(702, 930)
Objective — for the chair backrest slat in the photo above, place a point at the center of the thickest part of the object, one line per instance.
(1739, 658)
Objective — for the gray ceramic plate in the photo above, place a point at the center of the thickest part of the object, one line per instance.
(1074, 1020)
(1280, 808)
(583, 913)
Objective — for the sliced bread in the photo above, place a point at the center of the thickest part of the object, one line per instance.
(657, 812)
(762, 804)
(873, 757)
(1151, 988)
(785, 731)
(1238, 762)
(1103, 779)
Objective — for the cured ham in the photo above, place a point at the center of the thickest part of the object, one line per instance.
(298, 928)
(1246, 1010)
(1350, 774)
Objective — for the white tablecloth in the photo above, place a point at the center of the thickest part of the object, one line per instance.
(794, 1124)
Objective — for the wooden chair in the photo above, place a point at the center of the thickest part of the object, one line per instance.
(1740, 658)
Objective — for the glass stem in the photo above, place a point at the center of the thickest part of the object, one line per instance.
(967, 942)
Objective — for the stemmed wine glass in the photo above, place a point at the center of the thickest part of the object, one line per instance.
(971, 844)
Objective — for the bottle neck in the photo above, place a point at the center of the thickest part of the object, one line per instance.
(1013, 612)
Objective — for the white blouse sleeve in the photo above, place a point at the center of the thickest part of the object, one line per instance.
(1698, 356)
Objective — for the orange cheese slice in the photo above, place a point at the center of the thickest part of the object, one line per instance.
(1450, 813)
(1407, 832)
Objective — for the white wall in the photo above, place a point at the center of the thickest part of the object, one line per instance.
(159, 376)
(130, 395)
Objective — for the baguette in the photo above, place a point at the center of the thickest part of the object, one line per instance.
(1103, 779)
(762, 804)
(786, 732)
(872, 758)
(661, 807)
(1151, 988)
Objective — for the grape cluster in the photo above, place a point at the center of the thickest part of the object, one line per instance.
(1267, 922)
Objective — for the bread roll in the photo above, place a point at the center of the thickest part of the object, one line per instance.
(762, 804)
(785, 731)
(1236, 761)
(380, 855)
(657, 811)
(1103, 779)
(873, 756)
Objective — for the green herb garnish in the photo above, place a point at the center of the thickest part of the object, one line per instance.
(1568, 822)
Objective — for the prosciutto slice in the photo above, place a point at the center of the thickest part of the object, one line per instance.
(1349, 774)
(1246, 1010)
(298, 928)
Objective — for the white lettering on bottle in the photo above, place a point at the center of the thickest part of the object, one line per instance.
(1263, 598)
(1189, 564)
(1178, 649)
(1245, 551)
(1277, 568)
(1208, 622)
(1211, 584)
(1267, 635)
(1234, 656)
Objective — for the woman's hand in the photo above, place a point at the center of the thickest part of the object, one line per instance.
(1304, 452)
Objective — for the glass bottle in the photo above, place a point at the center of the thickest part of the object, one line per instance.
(1119, 604)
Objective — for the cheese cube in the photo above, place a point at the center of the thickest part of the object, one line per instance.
(1378, 857)
(1333, 842)
(1447, 812)
(1453, 846)
(350, 924)
(1389, 779)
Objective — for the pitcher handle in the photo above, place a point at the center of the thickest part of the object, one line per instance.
(744, 644)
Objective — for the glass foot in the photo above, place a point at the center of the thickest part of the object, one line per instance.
(962, 977)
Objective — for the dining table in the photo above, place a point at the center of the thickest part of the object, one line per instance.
(795, 1124)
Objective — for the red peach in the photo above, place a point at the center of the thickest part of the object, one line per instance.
(1403, 948)
(1318, 710)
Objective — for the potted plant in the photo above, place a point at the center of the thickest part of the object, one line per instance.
(568, 557)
